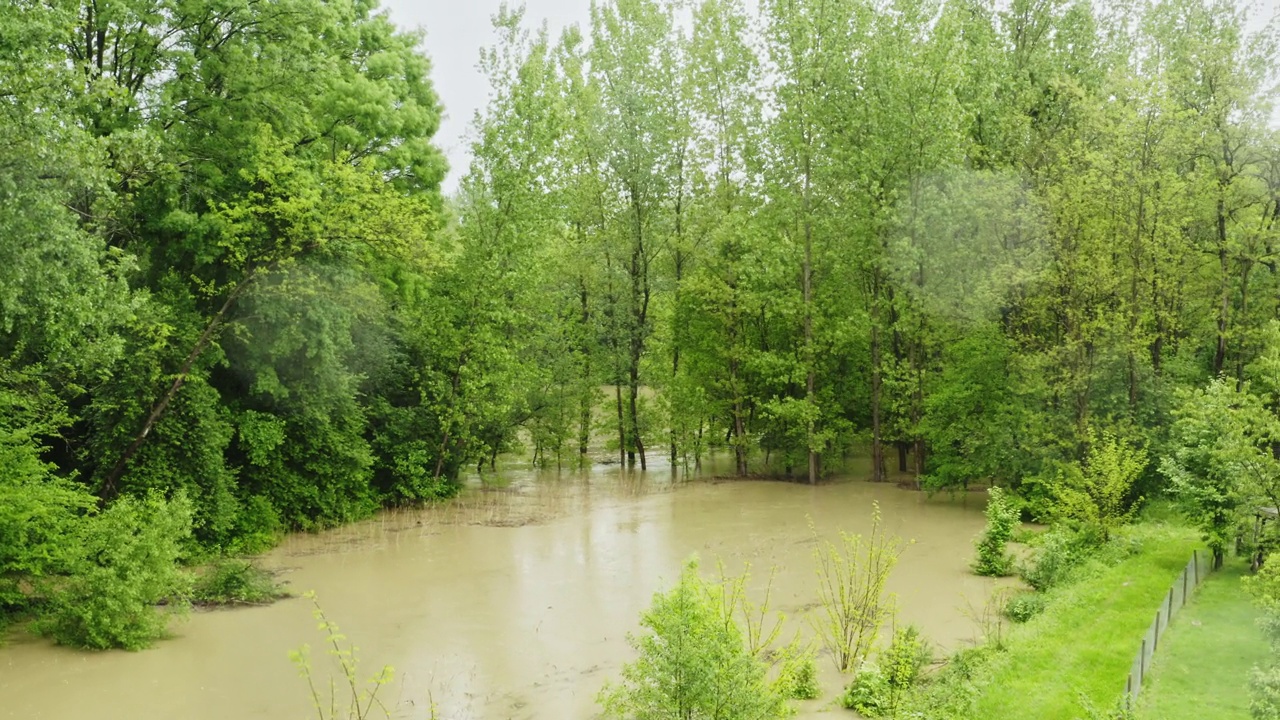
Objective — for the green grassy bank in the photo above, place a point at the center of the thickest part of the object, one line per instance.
(1204, 661)
(1082, 643)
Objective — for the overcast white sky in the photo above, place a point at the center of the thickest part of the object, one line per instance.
(456, 30)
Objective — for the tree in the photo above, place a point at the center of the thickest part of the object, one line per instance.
(1223, 465)
(1100, 494)
(693, 663)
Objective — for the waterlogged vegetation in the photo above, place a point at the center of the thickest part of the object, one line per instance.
(1029, 246)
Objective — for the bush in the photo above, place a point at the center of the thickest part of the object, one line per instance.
(125, 565)
(236, 582)
(906, 657)
(1024, 606)
(1264, 687)
(1002, 517)
(797, 674)
(878, 688)
(1264, 684)
(37, 518)
(869, 693)
(852, 589)
(693, 663)
(1058, 553)
(258, 527)
(1099, 493)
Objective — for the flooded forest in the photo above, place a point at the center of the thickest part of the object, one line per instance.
(769, 358)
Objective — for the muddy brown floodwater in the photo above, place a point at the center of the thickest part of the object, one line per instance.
(511, 603)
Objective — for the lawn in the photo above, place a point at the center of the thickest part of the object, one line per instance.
(1201, 670)
(1087, 638)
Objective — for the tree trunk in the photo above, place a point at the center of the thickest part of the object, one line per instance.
(877, 431)
(635, 415)
(810, 375)
(622, 426)
(639, 318)
(1224, 306)
(109, 489)
(584, 406)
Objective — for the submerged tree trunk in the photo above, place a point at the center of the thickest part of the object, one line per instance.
(584, 403)
(810, 374)
(639, 270)
(877, 431)
(622, 425)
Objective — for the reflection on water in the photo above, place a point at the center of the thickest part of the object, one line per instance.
(513, 602)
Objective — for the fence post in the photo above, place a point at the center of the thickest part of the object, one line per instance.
(1195, 559)
(1169, 614)
(1142, 663)
(1155, 642)
(1184, 587)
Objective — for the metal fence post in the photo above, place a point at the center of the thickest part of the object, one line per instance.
(1195, 560)
(1155, 642)
(1142, 663)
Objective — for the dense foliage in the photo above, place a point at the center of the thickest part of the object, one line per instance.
(999, 238)
(219, 228)
(1030, 243)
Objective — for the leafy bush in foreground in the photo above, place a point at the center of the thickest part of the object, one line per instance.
(1058, 553)
(878, 689)
(125, 566)
(1024, 606)
(1002, 517)
(797, 674)
(693, 663)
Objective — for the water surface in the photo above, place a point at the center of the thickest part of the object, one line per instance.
(513, 603)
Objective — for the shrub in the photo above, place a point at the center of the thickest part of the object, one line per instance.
(1264, 689)
(1098, 494)
(1024, 606)
(258, 527)
(1264, 684)
(852, 579)
(797, 674)
(693, 663)
(906, 657)
(1058, 552)
(236, 582)
(878, 688)
(1002, 517)
(125, 565)
(37, 520)
(869, 693)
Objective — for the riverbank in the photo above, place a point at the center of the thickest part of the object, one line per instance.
(1202, 669)
(1080, 646)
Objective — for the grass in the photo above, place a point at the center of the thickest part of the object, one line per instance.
(1203, 665)
(236, 582)
(1078, 650)
(1086, 639)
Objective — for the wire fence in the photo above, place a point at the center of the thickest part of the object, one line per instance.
(1179, 594)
